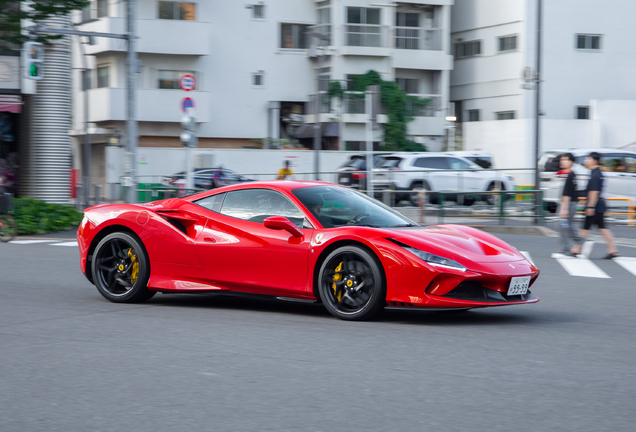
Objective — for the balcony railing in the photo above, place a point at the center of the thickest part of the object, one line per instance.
(325, 103)
(418, 38)
(353, 103)
(365, 35)
(431, 109)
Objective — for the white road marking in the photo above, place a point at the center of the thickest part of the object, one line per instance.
(71, 244)
(527, 255)
(23, 242)
(580, 266)
(627, 263)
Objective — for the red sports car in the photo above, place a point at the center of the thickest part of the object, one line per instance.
(303, 240)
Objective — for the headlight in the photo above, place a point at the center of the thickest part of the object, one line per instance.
(436, 260)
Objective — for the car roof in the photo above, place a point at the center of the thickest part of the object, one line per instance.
(281, 185)
(587, 151)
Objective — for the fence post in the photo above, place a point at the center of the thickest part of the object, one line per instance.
(440, 202)
(421, 195)
(502, 200)
(542, 209)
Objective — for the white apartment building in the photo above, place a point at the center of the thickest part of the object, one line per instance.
(256, 69)
(588, 65)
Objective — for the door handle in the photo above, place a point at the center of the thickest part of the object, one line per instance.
(209, 240)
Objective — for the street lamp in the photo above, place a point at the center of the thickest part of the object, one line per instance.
(324, 40)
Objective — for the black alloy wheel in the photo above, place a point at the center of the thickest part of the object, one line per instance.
(351, 284)
(121, 269)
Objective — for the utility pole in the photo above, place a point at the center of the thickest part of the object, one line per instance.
(324, 40)
(537, 201)
(131, 123)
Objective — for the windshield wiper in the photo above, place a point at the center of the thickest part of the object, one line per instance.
(403, 225)
(367, 225)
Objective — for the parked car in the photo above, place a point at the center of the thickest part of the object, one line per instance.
(203, 178)
(353, 172)
(618, 166)
(435, 172)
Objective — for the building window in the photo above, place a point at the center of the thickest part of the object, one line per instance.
(506, 115)
(583, 112)
(103, 76)
(324, 76)
(86, 80)
(467, 49)
(324, 19)
(473, 115)
(588, 42)
(409, 85)
(507, 43)
(363, 27)
(292, 36)
(258, 11)
(170, 79)
(258, 79)
(102, 8)
(177, 11)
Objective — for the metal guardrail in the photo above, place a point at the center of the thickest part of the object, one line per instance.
(631, 209)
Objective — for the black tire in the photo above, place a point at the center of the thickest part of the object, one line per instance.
(351, 285)
(416, 187)
(8, 228)
(113, 269)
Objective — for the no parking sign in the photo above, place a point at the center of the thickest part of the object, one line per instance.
(187, 83)
(187, 104)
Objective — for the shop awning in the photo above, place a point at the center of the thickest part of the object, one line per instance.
(10, 103)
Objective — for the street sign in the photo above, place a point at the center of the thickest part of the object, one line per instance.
(187, 83)
(187, 103)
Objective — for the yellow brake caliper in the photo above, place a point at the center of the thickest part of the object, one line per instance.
(337, 278)
(135, 267)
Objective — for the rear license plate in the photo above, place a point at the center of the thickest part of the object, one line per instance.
(344, 180)
(519, 285)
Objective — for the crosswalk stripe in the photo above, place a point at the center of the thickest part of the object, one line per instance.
(70, 244)
(580, 266)
(627, 263)
(527, 255)
(24, 242)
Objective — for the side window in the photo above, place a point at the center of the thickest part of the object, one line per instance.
(458, 164)
(255, 205)
(212, 202)
(612, 163)
(432, 162)
(630, 164)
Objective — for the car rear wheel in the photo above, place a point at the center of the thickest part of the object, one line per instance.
(490, 198)
(351, 285)
(121, 269)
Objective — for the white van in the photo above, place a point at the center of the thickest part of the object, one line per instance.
(618, 166)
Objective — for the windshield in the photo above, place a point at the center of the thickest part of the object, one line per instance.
(338, 206)
(391, 162)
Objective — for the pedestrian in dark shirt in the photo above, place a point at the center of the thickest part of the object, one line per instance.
(595, 209)
(569, 201)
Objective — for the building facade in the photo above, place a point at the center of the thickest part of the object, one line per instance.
(588, 93)
(257, 66)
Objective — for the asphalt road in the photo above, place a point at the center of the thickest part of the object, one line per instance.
(71, 361)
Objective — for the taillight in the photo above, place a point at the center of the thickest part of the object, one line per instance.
(358, 176)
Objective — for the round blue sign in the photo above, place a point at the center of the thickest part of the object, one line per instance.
(187, 103)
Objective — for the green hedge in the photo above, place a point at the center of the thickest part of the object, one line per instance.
(38, 217)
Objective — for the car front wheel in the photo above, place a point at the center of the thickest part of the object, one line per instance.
(351, 284)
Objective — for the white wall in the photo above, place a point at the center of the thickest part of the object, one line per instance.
(617, 127)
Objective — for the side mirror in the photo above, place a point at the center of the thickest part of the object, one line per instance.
(282, 223)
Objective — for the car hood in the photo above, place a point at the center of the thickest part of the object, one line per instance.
(460, 243)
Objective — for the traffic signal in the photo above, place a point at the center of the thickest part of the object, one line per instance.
(189, 134)
(33, 58)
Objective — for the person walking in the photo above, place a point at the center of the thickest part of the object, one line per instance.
(595, 210)
(285, 172)
(569, 200)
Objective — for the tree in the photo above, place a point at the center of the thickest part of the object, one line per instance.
(12, 12)
(396, 103)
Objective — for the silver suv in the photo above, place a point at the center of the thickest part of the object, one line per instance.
(435, 172)
(618, 166)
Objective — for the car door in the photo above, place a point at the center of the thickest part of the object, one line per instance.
(629, 176)
(471, 179)
(239, 253)
(436, 174)
(613, 170)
